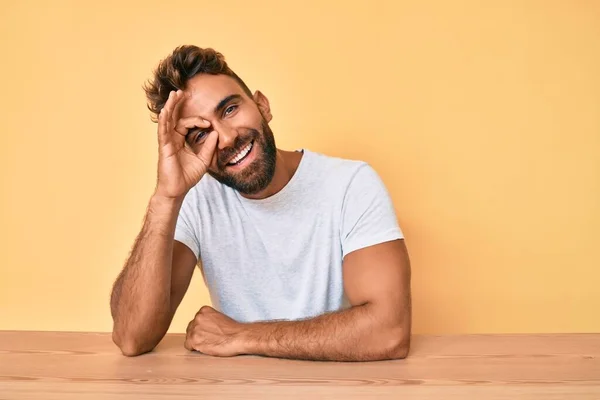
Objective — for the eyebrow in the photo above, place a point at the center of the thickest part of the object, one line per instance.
(218, 108)
(226, 100)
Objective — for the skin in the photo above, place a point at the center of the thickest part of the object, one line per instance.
(157, 274)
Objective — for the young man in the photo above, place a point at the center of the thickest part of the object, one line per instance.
(301, 252)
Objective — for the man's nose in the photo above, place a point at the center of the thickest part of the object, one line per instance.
(227, 136)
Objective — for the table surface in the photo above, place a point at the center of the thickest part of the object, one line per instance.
(62, 365)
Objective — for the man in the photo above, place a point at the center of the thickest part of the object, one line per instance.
(301, 252)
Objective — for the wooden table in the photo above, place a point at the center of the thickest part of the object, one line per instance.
(53, 365)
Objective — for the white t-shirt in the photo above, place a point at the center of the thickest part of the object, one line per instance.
(280, 258)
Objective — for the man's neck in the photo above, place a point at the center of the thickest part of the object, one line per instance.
(286, 164)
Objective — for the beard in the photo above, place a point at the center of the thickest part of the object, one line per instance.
(256, 176)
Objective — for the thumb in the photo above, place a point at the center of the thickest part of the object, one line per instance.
(207, 150)
(207, 309)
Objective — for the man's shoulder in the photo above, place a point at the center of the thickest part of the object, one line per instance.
(335, 166)
(341, 171)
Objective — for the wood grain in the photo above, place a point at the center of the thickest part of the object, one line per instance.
(61, 365)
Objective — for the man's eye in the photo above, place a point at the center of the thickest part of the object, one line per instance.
(230, 109)
(199, 136)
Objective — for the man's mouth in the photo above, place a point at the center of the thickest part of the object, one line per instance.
(241, 155)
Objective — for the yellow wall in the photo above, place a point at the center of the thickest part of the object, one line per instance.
(483, 118)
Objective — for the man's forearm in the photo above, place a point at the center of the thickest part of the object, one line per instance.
(355, 334)
(140, 301)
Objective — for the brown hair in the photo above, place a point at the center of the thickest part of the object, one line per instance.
(178, 68)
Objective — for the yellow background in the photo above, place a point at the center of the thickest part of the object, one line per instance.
(483, 119)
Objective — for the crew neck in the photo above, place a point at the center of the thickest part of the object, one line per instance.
(290, 188)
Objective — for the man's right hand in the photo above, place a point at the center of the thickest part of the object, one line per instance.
(180, 168)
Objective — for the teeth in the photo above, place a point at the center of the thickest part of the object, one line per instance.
(241, 154)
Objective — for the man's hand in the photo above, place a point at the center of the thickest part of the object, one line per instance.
(180, 168)
(215, 334)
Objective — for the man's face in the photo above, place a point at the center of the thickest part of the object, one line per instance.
(245, 155)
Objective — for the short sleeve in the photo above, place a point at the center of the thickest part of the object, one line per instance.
(368, 215)
(186, 227)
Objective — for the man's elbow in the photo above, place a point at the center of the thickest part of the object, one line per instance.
(130, 347)
(400, 349)
(397, 346)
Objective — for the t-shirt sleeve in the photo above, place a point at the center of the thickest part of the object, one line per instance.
(368, 215)
(186, 227)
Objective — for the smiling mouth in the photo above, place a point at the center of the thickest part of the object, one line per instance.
(239, 157)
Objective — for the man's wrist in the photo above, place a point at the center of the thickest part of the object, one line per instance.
(161, 204)
(249, 339)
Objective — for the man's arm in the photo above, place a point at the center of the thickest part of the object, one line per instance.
(158, 271)
(376, 327)
(153, 282)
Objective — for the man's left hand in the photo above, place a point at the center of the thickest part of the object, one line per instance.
(215, 334)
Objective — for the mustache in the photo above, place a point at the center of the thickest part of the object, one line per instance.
(226, 154)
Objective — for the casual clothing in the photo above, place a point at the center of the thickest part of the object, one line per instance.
(280, 258)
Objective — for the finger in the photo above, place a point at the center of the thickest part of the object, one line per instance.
(188, 344)
(205, 309)
(189, 336)
(207, 150)
(200, 312)
(163, 121)
(171, 107)
(180, 101)
(190, 122)
(162, 128)
(189, 327)
(171, 101)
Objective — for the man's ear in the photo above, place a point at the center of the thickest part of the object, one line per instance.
(263, 105)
